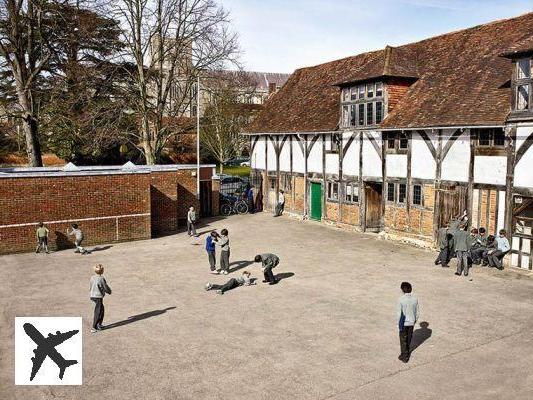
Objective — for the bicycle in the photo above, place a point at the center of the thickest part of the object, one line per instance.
(237, 206)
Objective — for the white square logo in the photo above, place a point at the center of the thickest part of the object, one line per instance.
(48, 351)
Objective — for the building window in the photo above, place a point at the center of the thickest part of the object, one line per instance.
(368, 101)
(353, 93)
(522, 97)
(352, 193)
(397, 142)
(402, 192)
(361, 114)
(370, 90)
(361, 92)
(524, 68)
(494, 137)
(379, 111)
(417, 195)
(370, 113)
(333, 191)
(345, 116)
(391, 193)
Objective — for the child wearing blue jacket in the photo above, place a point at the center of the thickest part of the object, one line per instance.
(210, 248)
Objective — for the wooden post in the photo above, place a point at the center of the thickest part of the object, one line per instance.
(342, 187)
(383, 180)
(409, 137)
(470, 193)
(509, 180)
(324, 186)
(293, 191)
(265, 180)
(277, 149)
(306, 154)
(438, 173)
(362, 197)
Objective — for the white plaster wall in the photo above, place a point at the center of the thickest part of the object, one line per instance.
(285, 156)
(298, 161)
(314, 162)
(501, 210)
(523, 173)
(332, 164)
(490, 169)
(522, 132)
(397, 165)
(455, 165)
(258, 156)
(422, 162)
(371, 159)
(350, 164)
(271, 156)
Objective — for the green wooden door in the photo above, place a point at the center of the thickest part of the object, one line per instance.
(316, 201)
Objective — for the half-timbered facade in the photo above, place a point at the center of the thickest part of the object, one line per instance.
(402, 139)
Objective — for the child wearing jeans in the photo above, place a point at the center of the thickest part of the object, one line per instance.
(243, 280)
(78, 236)
(98, 289)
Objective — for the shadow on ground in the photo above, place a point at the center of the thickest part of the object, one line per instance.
(420, 335)
(237, 265)
(283, 275)
(138, 317)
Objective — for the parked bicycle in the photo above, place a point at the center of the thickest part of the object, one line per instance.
(233, 205)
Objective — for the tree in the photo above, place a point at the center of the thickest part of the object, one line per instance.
(25, 33)
(170, 42)
(82, 117)
(229, 109)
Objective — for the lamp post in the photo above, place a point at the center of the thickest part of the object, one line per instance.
(198, 137)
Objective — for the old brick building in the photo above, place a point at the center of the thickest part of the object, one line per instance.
(401, 139)
(111, 204)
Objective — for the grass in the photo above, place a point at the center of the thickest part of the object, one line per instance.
(237, 170)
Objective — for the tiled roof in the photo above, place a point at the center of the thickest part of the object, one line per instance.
(462, 81)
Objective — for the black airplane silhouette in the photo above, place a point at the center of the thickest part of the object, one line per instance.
(46, 347)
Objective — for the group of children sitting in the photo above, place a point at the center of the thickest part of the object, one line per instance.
(471, 248)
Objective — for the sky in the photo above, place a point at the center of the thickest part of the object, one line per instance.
(282, 35)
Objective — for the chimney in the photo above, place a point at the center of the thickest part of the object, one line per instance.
(271, 88)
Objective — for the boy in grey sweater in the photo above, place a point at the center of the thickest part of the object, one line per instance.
(243, 280)
(268, 261)
(98, 289)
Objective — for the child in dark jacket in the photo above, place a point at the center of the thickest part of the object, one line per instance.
(98, 290)
(211, 253)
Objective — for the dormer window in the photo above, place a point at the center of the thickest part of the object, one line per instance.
(362, 105)
(522, 85)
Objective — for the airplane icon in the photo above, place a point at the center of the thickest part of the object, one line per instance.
(46, 347)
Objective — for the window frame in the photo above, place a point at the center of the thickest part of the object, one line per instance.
(352, 185)
(330, 185)
(362, 101)
(398, 193)
(522, 81)
(389, 185)
(396, 138)
(482, 149)
(421, 204)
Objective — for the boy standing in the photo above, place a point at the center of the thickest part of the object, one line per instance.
(191, 220)
(463, 243)
(243, 280)
(407, 313)
(445, 241)
(223, 241)
(281, 204)
(98, 289)
(210, 248)
(78, 236)
(495, 256)
(42, 238)
(268, 261)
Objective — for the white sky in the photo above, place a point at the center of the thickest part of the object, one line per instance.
(282, 35)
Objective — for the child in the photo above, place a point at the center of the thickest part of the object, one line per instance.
(491, 245)
(191, 220)
(243, 280)
(407, 316)
(42, 238)
(98, 289)
(268, 261)
(495, 256)
(463, 243)
(78, 235)
(210, 248)
(479, 246)
(445, 241)
(223, 241)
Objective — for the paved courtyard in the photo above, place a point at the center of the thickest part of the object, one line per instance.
(326, 331)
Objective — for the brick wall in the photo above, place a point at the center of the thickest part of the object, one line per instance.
(396, 90)
(298, 187)
(108, 208)
(102, 205)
